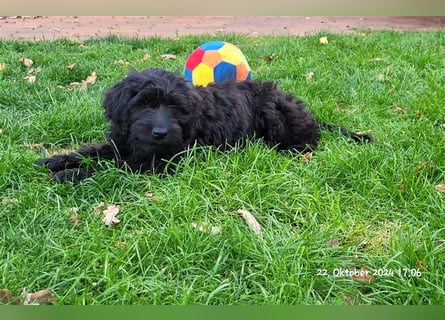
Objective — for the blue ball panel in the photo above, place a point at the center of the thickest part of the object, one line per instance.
(224, 71)
(188, 75)
(212, 45)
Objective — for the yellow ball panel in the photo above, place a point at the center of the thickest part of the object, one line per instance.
(202, 75)
(232, 54)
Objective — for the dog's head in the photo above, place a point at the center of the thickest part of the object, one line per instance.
(151, 112)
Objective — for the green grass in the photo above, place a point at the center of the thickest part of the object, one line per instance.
(376, 201)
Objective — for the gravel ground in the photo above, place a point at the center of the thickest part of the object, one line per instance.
(85, 27)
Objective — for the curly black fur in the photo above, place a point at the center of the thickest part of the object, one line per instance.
(155, 114)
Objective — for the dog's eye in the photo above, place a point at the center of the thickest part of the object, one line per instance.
(180, 110)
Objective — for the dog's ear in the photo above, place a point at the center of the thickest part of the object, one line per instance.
(116, 103)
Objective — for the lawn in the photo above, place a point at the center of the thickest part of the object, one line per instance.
(356, 224)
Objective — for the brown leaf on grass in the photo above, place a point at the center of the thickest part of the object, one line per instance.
(74, 217)
(269, 57)
(98, 210)
(34, 71)
(71, 67)
(7, 297)
(152, 196)
(39, 297)
(26, 62)
(310, 76)
(333, 243)
(10, 201)
(305, 158)
(121, 244)
(205, 227)
(365, 132)
(251, 221)
(146, 57)
(324, 40)
(376, 60)
(421, 265)
(30, 79)
(122, 62)
(168, 56)
(91, 79)
(364, 276)
(421, 114)
(2, 66)
(399, 110)
(440, 188)
(110, 215)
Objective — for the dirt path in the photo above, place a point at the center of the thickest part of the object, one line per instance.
(81, 27)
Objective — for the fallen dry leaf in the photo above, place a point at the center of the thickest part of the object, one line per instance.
(310, 76)
(421, 265)
(324, 40)
(146, 57)
(376, 60)
(440, 188)
(71, 67)
(251, 221)
(399, 110)
(269, 57)
(168, 56)
(10, 200)
(421, 114)
(34, 71)
(26, 62)
(91, 79)
(74, 217)
(40, 297)
(122, 62)
(7, 297)
(121, 245)
(305, 158)
(110, 215)
(30, 79)
(364, 276)
(98, 210)
(152, 196)
(2, 66)
(204, 227)
(333, 243)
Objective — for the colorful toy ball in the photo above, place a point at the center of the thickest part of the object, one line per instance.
(216, 61)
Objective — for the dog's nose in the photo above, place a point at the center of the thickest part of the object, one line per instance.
(159, 133)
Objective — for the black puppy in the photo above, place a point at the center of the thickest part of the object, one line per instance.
(155, 114)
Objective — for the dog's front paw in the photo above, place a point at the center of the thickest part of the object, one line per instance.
(55, 163)
(71, 175)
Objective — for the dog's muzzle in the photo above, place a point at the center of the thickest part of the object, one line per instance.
(159, 133)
